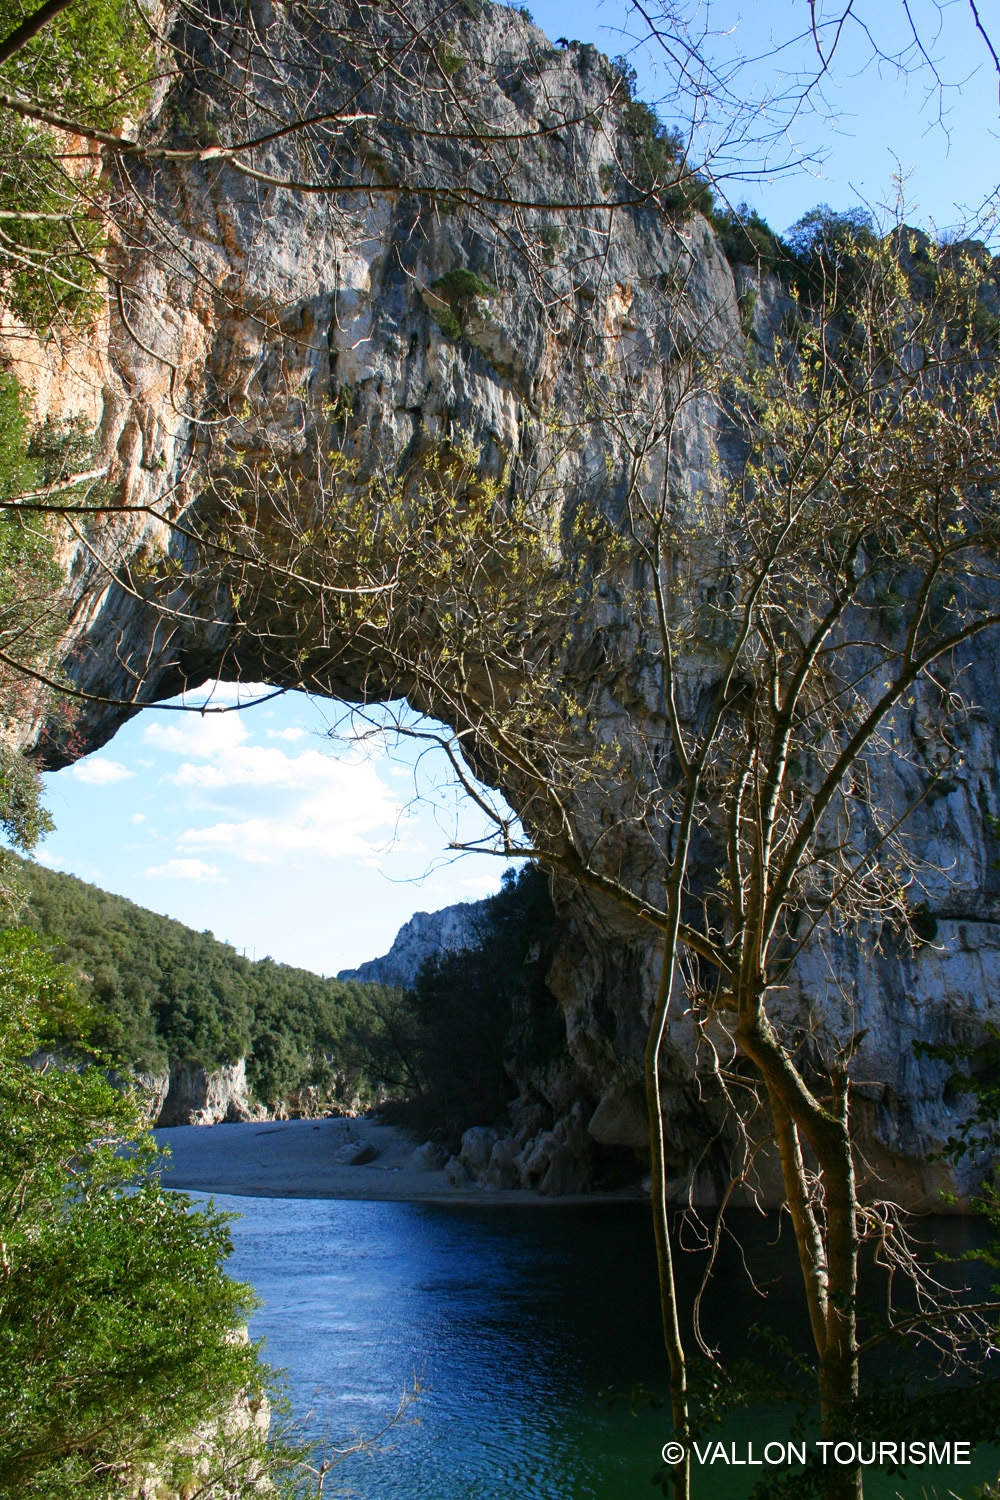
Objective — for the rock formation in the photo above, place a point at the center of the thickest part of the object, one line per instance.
(238, 292)
(426, 933)
(197, 1096)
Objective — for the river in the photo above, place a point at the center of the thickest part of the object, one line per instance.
(515, 1321)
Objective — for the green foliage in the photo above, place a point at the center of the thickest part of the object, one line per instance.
(18, 472)
(31, 615)
(654, 154)
(747, 304)
(450, 58)
(471, 1009)
(824, 233)
(833, 249)
(116, 1320)
(162, 992)
(89, 63)
(48, 255)
(976, 1075)
(457, 292)
(747, 239)
(552, 238)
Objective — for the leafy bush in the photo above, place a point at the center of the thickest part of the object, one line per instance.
(654, 155)
(747, 238)
(457, 291)
(117, 1321)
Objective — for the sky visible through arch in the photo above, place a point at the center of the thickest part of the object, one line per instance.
(262, 828)
(259, 827)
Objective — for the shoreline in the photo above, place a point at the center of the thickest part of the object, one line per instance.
(295, 1159)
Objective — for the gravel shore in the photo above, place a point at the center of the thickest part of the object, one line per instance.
(297, 1159)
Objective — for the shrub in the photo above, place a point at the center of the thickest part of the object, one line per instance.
(457, 291)
(116, 1318)
(823, 233)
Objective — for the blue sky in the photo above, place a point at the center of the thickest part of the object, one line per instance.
(260, 827)
(869, 120)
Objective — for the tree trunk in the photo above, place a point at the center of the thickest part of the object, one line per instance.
(838, 1377)
(681, 1477)
(829, 1259)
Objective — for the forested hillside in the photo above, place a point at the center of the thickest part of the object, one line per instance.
(448, 1048)
(165, 993)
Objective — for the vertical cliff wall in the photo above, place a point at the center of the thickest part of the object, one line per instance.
(254, 311)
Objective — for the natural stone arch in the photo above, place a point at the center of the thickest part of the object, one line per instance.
(287, 302)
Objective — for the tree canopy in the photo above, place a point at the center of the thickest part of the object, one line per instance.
(163, 993)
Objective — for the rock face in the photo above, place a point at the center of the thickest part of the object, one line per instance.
(308, 310)
(426, 933)
(195, 1096)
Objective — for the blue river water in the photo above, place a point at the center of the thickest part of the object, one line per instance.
(514, 1321)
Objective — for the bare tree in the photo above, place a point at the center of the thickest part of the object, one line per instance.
(800, 605)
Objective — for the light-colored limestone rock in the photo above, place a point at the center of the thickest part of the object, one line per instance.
(620, 1117)
(284, 302)
(199, 1096)
(356, 1154)
(430, 1157)
(502, 1170)
(424, 936)
(457, 1172)
(477, 1146)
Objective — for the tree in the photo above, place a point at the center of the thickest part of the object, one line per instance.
(118, 1322)
(800, 606)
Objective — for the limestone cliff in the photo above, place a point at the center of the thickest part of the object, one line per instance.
(426, 933)
(197, 1096)
(240, 293)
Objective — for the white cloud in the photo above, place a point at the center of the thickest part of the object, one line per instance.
(285, 734)
(343, 809)
(96, 772)
(204, 736)
(485, 884)
(187, 869)
(137, 818)
(219, 694)
(266, 765)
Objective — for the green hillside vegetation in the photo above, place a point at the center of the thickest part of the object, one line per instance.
(164, 993)
(448, 1050)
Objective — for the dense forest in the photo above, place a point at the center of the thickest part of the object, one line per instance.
(445, 1051)
(164, 993)
(478, 1019)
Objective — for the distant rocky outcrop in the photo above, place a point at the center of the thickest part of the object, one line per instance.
(426, 933)
(197, 1096)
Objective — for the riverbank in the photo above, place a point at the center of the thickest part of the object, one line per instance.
(298, 1159)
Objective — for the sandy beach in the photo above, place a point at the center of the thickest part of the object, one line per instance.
(296, 1159)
